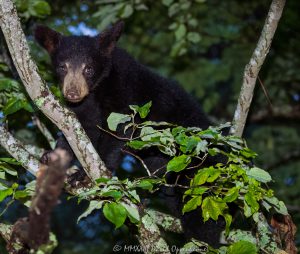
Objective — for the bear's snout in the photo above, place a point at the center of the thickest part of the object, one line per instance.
(73, 95)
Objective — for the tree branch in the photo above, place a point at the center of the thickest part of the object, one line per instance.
(284, 112)
(150, 236)
(167, 222)
(44, 130)
(253, 67)
(16, 149)
(43, 98)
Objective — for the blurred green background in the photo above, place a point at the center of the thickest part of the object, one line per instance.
(204, 45)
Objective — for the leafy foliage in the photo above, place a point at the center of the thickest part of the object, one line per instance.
(213, 188)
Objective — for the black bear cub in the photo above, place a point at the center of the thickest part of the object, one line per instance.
(98, 78)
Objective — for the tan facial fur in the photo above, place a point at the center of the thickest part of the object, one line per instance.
(74, 81)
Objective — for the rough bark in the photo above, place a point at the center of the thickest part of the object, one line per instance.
(253, 67)
(285, 231)
(150, 237)
(167, 222)
(43, 98)
(16, 149)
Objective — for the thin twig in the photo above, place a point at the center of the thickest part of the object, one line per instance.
(44, 130)
(265, 91)
(112, 134)
(140, 159)
(198, 165)
(160, 168)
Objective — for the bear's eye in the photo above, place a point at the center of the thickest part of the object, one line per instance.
(62, 68)
(89, 71)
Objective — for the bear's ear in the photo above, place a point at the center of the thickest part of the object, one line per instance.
(108, 38)
(47, 38)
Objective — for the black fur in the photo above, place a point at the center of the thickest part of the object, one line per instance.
(118, 81)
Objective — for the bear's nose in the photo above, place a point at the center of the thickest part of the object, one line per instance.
(72, 94)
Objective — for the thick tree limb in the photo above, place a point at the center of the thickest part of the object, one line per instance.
(150, 237)
(16, 149)
(43, 98)
(285, 231)
(167, 222)
(253, 67)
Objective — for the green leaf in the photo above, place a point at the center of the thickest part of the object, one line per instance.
(180, 32)
(102, 180)
(127, 11)
(148, 134)
(133, 194)
(94, 205)
(212, 207)
(192, 204)
(201, 146)
(167, 2)
(214, 151)
(138, 144)
(143, 110)
(20, 194)
(247, 210)
(259, 174)
(8, 84)
(209, 134)
(279, 206)
(8, 169)
(13, 105)
(246, 152)
(27, 106)
(39, 8)
(250, 198)
(173, 9)
(5, 193)
(178, 163)
(203, 175)
(196, 191)
(115, 213)
(113, 193)
(213, 175)
(231, 195)
(10, 161)
(242, 247)
(115, 119)
(193, 37)
(145, 185)
(132, 213)
(228, 220)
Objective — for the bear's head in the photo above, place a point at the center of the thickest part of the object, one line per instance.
(80, 62)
